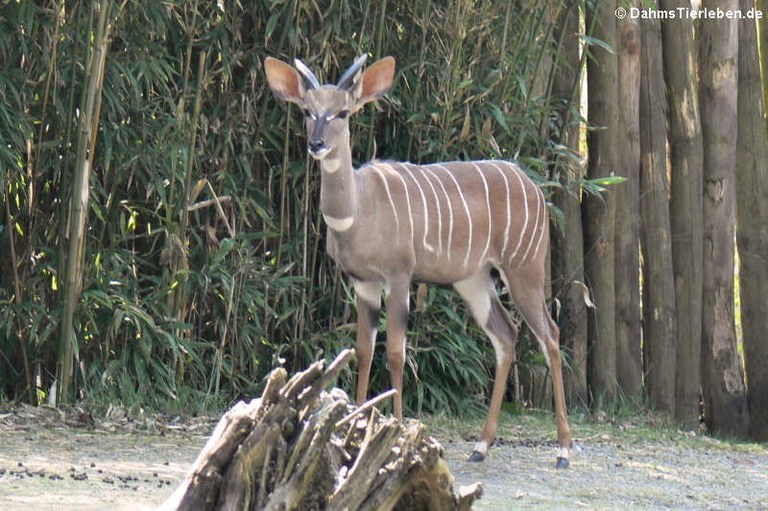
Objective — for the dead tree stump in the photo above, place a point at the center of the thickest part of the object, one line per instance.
(301, 447)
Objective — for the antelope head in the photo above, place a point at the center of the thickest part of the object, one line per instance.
(327, 108)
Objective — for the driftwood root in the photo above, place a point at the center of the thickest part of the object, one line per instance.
(302, 447)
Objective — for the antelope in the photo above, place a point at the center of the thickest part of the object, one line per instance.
(391, 223)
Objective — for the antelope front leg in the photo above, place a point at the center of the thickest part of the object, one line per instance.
(397, 324)
(503, 335)
(368, 299)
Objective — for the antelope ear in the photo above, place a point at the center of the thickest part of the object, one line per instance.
(375, 82)
(285, 81)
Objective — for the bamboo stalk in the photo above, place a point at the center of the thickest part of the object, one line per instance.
(34, 161)
(180, 263)
(184, 212)
(176, 237)
(17, 296)
(62, 176)
(78, 208)
(217, 201)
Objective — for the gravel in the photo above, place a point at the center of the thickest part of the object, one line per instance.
(50, 465)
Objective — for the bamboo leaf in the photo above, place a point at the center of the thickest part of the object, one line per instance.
(593, 41)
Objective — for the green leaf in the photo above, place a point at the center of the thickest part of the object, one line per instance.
(607, 180)
(500, 117)
(593, 41)
(271, 24)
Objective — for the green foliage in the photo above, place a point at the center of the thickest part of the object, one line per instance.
(205, 262)
(450, 359)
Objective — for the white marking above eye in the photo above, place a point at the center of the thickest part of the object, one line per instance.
(341, 114)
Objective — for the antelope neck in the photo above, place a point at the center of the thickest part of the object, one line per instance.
(337, 188)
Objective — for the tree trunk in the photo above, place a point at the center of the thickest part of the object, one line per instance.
(628, 361)
(299, 447)
(752, 231)
(659, 325)
(762, 46)
(599, 212)
(567, 240)
(725, 404)
(686, 162)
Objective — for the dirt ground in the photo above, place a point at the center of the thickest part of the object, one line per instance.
(57, 462)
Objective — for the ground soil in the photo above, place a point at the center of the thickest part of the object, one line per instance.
(50, 460)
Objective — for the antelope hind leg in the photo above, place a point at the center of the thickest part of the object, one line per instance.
(480, 295)
(527, 291)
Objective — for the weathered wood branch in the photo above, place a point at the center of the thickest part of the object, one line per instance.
(302, 447)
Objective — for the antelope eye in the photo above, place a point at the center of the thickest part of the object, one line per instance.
(308, 114)
(343, 114)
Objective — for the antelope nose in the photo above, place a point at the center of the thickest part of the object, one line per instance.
(315, 146)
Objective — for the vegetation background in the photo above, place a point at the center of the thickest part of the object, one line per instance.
(160, 242)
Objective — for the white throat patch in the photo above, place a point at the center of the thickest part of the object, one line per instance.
(331, 165)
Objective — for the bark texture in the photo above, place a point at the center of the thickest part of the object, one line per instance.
(762, 46)
(752, 232)
(725, 403)
(628, 360)
(659, 321)
(600, 212)
(686, 163)
(567, 238)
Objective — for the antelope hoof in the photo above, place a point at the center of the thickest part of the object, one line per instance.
(476, 457)
(562, 463)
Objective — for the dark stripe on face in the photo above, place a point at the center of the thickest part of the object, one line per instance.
(318, 131)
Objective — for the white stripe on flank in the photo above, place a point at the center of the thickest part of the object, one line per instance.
(389, 194)
(407, 169)
(339, 224)
(407, 196)
(525, 224)
(509, 211)
(488, 204)
(450, 210)
(422, 172)
(535, 223)
(541, 232)
(466, 209)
